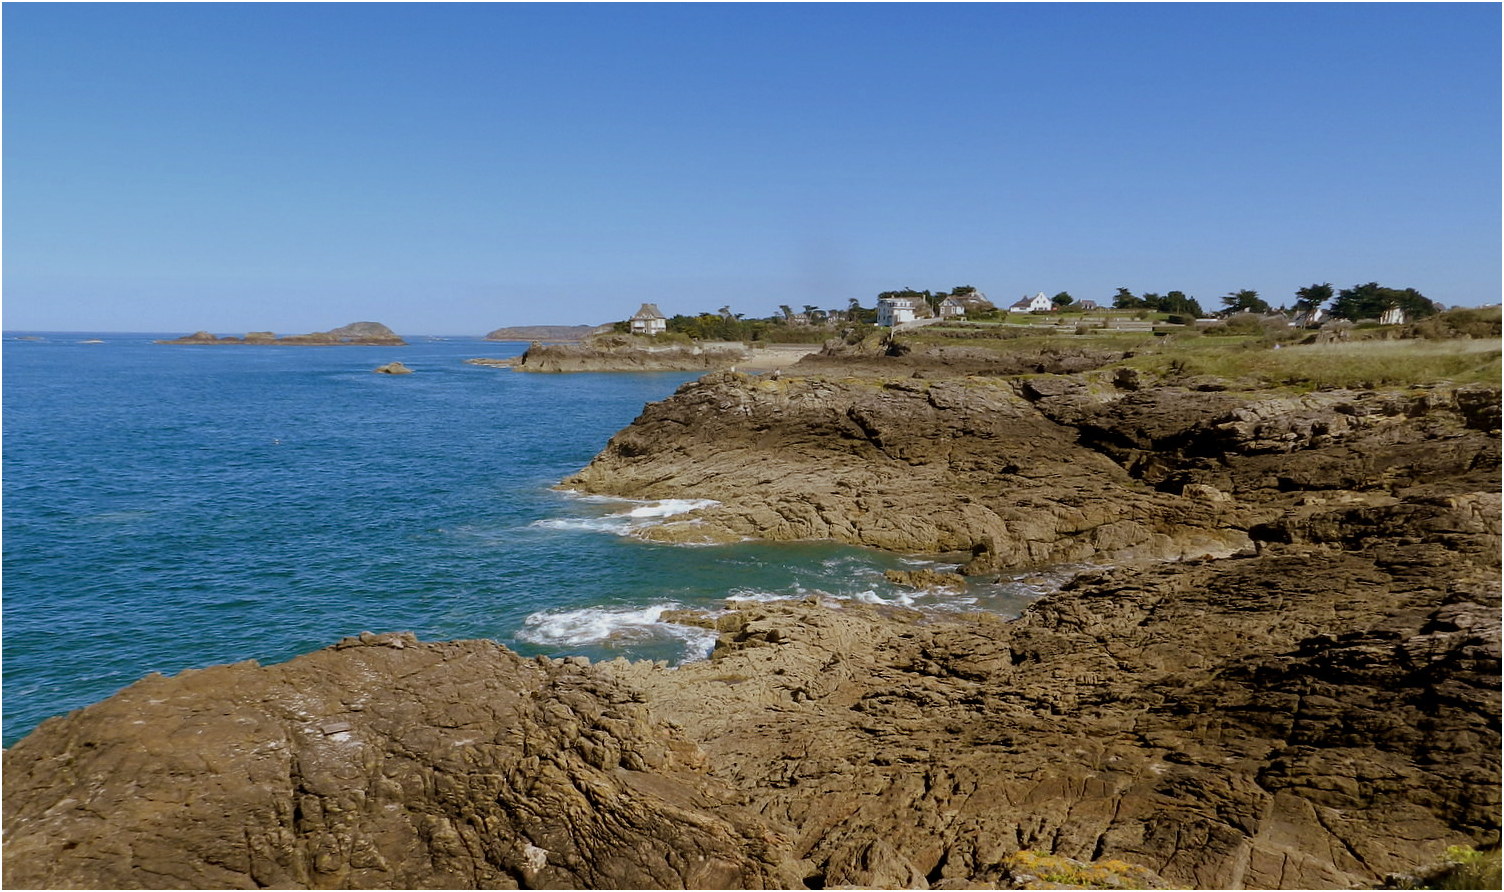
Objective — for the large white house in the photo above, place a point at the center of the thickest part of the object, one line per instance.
(648, 320)
(1032, 304)
(893, 311)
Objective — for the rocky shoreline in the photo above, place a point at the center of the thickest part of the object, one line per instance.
(624, 354)
(1289, 679)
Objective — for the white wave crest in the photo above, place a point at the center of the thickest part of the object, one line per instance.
(623, 523)
(671, 507)
(613, 627)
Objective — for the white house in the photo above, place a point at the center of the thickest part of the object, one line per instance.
(1393, 316)
(1032, 304)
(648, 320)
(1309, 318)
(893, 311)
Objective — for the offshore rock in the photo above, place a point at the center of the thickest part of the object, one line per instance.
(377, 763)
(393, 368)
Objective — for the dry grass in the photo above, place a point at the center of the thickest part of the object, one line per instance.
(1361, 365)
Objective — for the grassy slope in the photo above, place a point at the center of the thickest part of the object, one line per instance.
(1265, 360)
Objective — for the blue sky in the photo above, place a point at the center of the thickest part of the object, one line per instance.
(448, 169)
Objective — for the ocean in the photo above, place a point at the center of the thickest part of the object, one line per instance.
(172, 507)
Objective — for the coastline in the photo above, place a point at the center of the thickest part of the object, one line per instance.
(1222, 683)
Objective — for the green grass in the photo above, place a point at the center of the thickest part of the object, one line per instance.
(1462, 867)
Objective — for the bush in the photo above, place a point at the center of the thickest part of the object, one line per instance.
(1459, 323)
(1241, 324)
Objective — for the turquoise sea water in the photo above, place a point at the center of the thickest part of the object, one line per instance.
(169, 507)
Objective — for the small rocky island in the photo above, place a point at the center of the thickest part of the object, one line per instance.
(356, 334)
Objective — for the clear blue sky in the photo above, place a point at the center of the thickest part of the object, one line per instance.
(453, 168)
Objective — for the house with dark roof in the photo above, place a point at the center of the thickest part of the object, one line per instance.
(961, 304)
(648, 320)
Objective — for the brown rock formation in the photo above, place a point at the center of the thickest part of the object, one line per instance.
(377, 763)
(1243, 723)
(964, 464)
(1035, 470)
(393, 368)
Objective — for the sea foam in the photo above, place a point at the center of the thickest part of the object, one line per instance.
(614, 627)
(624, 523)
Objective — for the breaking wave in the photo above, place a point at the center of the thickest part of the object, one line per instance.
(614, 627)
(624, 523)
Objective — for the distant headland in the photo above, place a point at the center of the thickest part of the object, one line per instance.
(546, 332)
(360, 334)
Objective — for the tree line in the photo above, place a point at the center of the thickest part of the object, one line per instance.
(1368, 301)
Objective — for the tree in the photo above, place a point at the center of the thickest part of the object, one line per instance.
(1245, 301)
(1126, 300)
(1371, 300)
(1176, 302)
(855, 312)
(1312, 296)
(787, 311)
(1063, 299)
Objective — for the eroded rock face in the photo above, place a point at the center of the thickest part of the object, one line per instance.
(1036, 470)
(961, 464)
(1305, 718)
(377, 763)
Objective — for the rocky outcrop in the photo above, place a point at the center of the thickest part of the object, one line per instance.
(377, 763)
(625, 354)
(1035, 470)
(360, 334)
(393, 368)
(955, 465)
(1304, 718)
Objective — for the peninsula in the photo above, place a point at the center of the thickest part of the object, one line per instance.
(358, 334)
(1274, 662)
